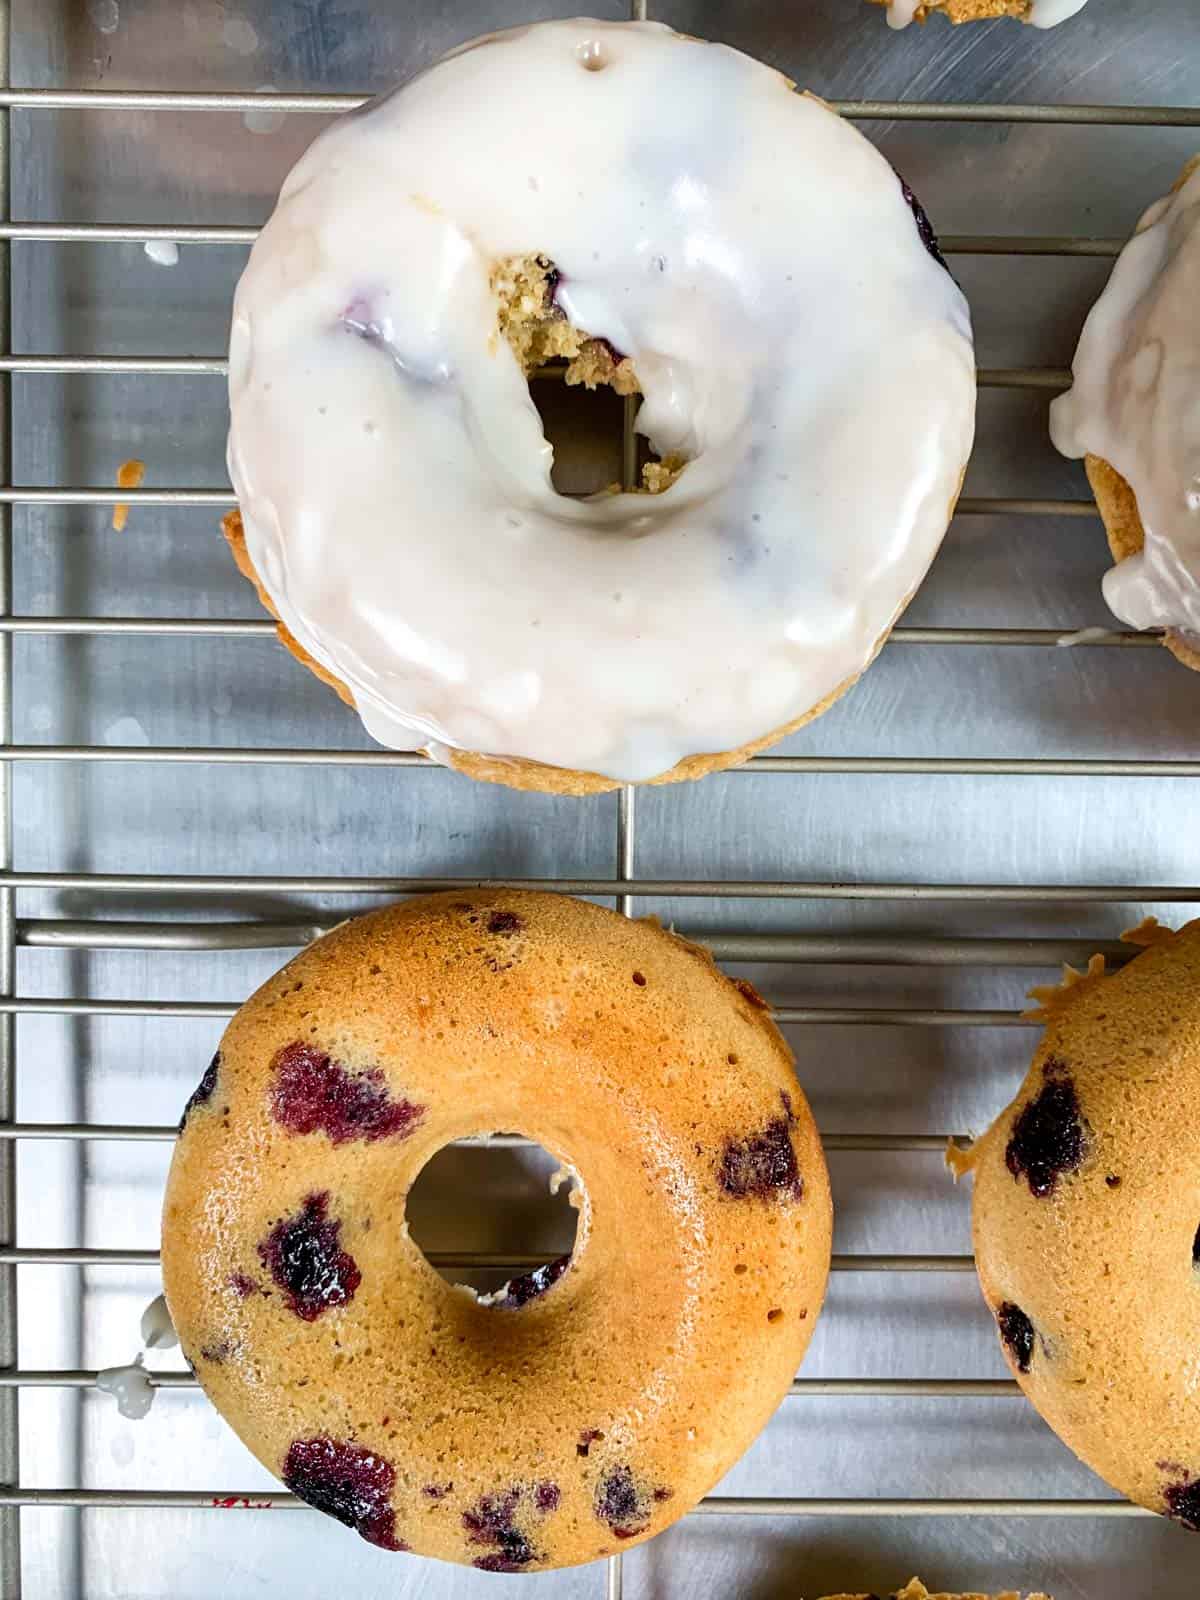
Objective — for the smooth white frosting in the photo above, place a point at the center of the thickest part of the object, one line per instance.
(1135, 403)
(1044, 14)
(755, 257)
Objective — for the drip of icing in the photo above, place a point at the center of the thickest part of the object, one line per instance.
(1049, 13)
(164, 252)
(798, 316)
(158, 1331)
(901, 12)
(1135, 403)
(130, 1386)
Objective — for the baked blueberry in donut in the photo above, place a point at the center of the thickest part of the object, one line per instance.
(347, 1482)
(1016, 1330)
(304, 1256)
(204, 1090)
(1048, 1138)
(310, 1093)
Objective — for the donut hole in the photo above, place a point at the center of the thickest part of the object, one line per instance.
(579, 385)
(509, 1201)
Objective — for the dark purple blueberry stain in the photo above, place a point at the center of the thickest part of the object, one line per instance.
(218, 1352)
(347, 1482)
(520, 1291)
(312, 1093)
(1183, 1504)
(1196, 1249)
(504, 922)
(546, 1496)
(1113, 1181)
(242, 1284)
(1048, 1137)
(203, 1092)
(764, 1165)
(622, 1503)
(1017, 1332)
(306, 1260)
(924, 226)
(553, 278)
(587, 1439)
(663, 1494)
(436, 1491)
(492, 1521)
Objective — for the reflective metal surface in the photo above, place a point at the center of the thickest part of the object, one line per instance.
(984, 804)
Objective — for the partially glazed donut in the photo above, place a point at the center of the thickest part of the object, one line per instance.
(1087, 1221)
(662, 215)
(1133, 414)
(595, 1400)
(1041, 13)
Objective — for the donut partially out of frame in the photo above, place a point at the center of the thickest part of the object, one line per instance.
(916, 1590)
(1118, 504)
(1087, 1220)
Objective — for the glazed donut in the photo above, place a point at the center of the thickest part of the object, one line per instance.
(590, 1403)
(1086, 1219)
(1133, 414)
(743, 259)
(1041, 13)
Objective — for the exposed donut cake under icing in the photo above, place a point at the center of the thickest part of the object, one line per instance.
(733, 250)
(1134, 414)
(589, 1403)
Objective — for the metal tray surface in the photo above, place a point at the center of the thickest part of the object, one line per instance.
(110, 694)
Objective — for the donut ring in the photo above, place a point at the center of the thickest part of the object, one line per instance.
(1086, 1219)
(602, 1395)
(1117, 502)
(510, 208)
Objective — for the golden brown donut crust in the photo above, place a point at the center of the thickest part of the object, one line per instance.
(914, 1589)
(1118, 506)
(970, 10)
(700, 1262)
(1086, 1219)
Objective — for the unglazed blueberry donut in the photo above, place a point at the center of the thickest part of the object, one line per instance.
(1041, 13)
(665, 216)
(1087, 1221)
(590, 1403)
(1134, 415)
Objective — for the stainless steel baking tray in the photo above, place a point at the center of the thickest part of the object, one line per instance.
(187, 804)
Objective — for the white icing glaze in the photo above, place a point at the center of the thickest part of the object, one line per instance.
(130, 1386)
(1044, 13)
(755, 257)
(1135, 403)
(1049, 13)
(163, 252)
(158, 1331)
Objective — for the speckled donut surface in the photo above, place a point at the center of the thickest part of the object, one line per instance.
(605, 1394)
(1087, 1222)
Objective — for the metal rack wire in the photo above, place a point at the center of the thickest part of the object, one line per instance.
(625, 886)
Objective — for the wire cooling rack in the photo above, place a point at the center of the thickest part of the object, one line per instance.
(629, 890)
